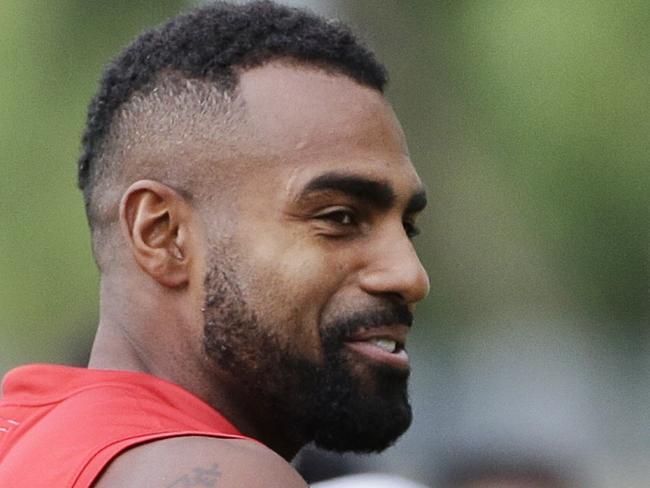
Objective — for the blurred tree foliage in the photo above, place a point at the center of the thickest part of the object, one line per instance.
(528, 120)
(51, 55)
(541, 112)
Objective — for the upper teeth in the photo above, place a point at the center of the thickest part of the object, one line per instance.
(385, 344)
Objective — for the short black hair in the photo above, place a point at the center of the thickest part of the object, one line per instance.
(212, 43)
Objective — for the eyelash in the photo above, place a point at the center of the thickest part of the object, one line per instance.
(337, 217)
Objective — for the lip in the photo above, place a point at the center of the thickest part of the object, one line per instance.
(361, 344)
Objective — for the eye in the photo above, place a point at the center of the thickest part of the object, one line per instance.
(411, 229)
(338, 221)
(341, 217)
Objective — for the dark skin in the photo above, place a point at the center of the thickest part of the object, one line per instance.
(324, 213)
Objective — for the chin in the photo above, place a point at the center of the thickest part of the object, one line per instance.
(364, 419)
(373, 433)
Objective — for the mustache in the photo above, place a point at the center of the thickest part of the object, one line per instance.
(347, 327)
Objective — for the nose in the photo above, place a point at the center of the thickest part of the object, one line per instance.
(394, 268)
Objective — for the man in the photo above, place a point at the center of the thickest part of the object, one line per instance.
(251, 203)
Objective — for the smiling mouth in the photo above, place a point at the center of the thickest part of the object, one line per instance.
(382, 344)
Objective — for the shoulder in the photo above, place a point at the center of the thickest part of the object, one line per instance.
(201, 462)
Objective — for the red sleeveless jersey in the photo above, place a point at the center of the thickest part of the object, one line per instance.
(61, 426)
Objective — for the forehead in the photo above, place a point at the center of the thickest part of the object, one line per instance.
(302, 121)
(295, 102)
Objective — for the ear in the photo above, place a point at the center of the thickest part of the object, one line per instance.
(156, 221)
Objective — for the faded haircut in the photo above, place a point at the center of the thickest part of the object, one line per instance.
(180, 80)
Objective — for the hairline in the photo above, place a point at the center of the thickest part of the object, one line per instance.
(230, 100)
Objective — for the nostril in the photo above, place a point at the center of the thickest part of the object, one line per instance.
(395, 297)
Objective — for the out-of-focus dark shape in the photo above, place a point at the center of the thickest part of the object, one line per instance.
(490, 471)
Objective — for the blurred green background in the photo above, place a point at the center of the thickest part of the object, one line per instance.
(529, 123)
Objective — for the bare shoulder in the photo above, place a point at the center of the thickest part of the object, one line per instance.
(200, 462)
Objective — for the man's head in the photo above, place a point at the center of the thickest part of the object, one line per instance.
(172, 84)
(249, 186)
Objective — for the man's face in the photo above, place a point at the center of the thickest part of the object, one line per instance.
(309, 292)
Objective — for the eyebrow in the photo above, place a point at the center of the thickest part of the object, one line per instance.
(378, 193)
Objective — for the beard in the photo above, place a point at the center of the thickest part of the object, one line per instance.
(324, 402)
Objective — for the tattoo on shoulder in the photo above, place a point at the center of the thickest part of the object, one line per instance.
(198, 477)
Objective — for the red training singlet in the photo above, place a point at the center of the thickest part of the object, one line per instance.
(61, 426)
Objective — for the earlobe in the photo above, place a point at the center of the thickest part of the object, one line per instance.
(154, 220)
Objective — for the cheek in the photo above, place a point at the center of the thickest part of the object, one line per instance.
(289, 284)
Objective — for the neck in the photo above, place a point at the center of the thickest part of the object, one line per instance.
(160, 343)
(139, 328)
(114, 349)
(252, 417)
